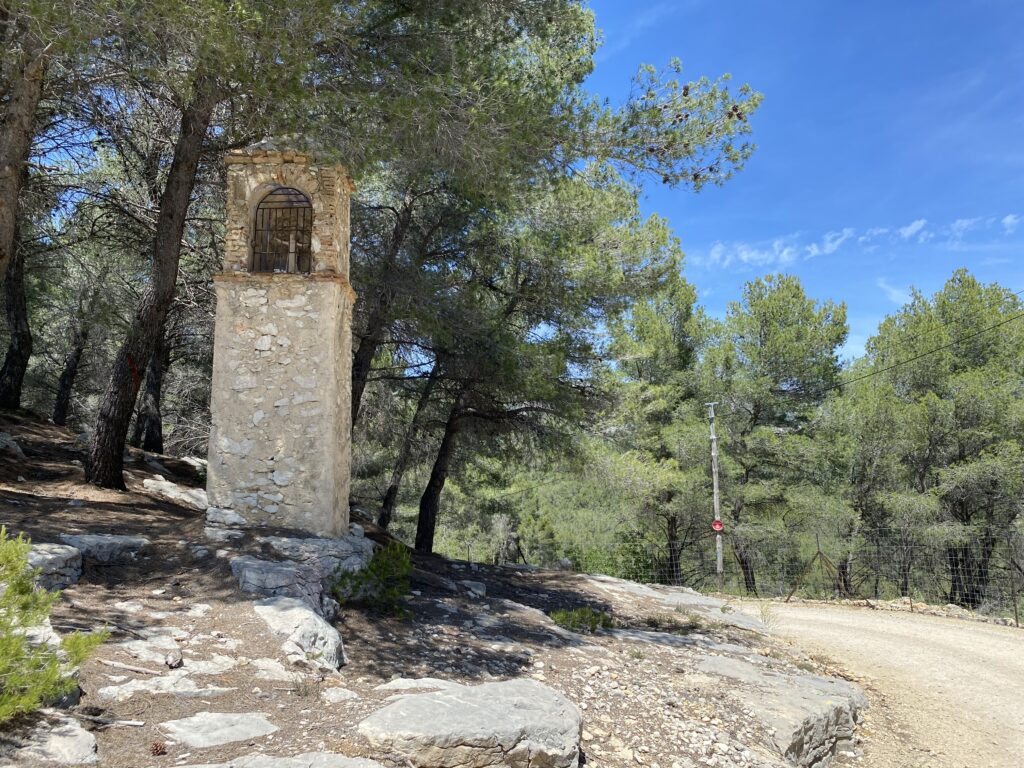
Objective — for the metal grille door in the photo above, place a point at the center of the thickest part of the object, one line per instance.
(283, 234)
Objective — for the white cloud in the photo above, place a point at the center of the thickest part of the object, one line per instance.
(784, 250)
(830, 243)
(898, 296)
(961, 227)
(627, 35)
(913, 228)
(779, 252)
(871, 234)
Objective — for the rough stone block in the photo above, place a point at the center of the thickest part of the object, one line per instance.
(517, 723)
(107, 548)
(309, 640)
(60, 565)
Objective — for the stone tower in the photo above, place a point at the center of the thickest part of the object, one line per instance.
(280, 444)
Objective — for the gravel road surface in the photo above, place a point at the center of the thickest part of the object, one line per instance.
(950, 692)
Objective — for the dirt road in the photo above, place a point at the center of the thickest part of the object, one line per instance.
(947, 693)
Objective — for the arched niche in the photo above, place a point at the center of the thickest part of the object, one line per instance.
(282, 235)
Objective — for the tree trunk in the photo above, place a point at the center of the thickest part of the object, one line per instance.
(743, 557)
(16, 124)
(904, 572)
(104, 459)
(66, 382)
(19, 348)
(747, 567)
(149, 429)
(380, 317)
(844, 576)
(675, 575)
(430, 501)
(387, 509)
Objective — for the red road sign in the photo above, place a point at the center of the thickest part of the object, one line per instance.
(718, 525)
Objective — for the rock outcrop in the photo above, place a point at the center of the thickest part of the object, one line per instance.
(211, 729)
(813, 717)
(516, 723)
(307, 760)
(307, 567)
(59, 739)
(104, 548)
(60, 565)
(309, 640)
(179, 494)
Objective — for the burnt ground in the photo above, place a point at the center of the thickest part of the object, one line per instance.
(643, 699)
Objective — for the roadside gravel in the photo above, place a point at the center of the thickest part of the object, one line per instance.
(951, 693)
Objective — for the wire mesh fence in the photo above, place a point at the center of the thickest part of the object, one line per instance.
(978, 571)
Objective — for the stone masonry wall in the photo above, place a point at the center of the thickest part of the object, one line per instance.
(254, 173)
(280, 444)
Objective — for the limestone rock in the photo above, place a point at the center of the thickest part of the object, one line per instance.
(10, 447)
(218, 534)
(272, 669)
(309, 565)
(179, 494)
(107, 548)
(420, 684)
(218, 516)
(60, 565)
(475, 588)
(813, 716)
(310, 641)
(348, 553)
(307, 760)
(336, 695)
(518, 723)
(59, 738)
(177, 683)
(211, 729)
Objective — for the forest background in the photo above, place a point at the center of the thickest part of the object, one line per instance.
(531, 365)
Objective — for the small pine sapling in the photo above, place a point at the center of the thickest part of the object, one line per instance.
(32, 674)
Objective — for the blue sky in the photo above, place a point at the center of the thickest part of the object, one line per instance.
(890, 142)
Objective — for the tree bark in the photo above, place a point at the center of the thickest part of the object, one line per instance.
(103, 465)
(149, 428)
(19, 348)
(380, 316)
(66, 382)
(387, 509)
(16, 132)
(430, 501)
(747, 567)
(675, 572)
(844, 576)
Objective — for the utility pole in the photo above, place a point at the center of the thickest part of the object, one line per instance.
(717, 524)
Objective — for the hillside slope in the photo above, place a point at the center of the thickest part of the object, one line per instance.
(679, 680)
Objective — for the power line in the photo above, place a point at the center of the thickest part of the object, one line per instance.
(953, 343)
(925, 333)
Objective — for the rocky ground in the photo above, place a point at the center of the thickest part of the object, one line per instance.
(474, 672)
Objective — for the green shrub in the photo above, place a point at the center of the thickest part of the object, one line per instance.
(583, 619)
(381, 585)
(31, 674)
